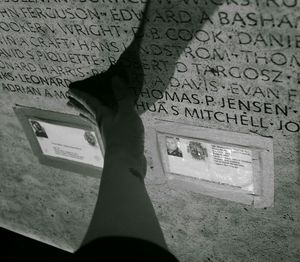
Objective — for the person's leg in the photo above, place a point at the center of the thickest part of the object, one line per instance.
(123, 207)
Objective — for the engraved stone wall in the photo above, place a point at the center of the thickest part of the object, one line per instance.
(225, 64)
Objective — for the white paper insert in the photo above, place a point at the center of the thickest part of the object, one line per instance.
(68, 142)
(209, 161)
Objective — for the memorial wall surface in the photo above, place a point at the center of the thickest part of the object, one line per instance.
(207, 67)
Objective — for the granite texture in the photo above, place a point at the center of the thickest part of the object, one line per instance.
(55, 206)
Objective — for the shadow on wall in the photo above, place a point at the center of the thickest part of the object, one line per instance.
(168, 13)
(129, 65)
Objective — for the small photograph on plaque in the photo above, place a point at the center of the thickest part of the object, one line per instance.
(218, 163)
(173, 146)
(38, 129)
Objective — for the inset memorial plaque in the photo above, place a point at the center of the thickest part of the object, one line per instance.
(64, 141)
(228, 165)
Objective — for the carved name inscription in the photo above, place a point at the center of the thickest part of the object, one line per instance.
(222, 62)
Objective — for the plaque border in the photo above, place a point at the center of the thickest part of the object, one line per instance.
(262, 157)
(24, 113)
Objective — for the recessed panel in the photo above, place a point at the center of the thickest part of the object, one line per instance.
(64, 141)
(229, 165)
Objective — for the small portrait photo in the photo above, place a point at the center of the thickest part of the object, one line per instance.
(173, 146)
(90, 138)
(197, 150)
(38, 129)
